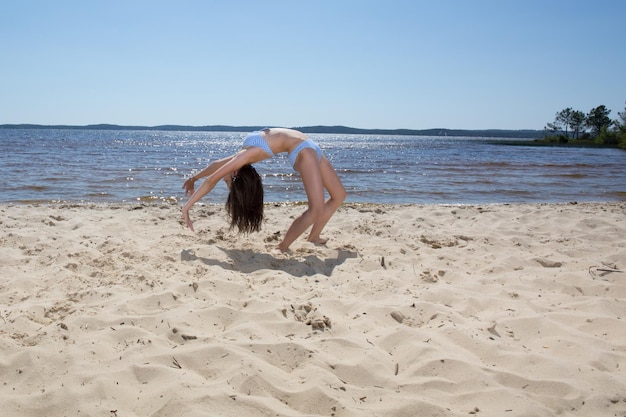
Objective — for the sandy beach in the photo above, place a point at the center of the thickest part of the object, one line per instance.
(409, 310)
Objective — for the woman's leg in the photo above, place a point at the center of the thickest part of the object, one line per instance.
(308, 166)
(337, 193)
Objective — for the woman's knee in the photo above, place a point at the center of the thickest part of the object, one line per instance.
(316, 212)
(337, 196)
(340, 195)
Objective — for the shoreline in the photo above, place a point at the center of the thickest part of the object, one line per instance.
(293, 203)
(420, 309)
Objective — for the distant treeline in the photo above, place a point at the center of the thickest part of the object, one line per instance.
(488, 133)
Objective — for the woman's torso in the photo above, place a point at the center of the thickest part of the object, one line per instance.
(282, 140)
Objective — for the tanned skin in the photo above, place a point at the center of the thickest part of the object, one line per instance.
(317, 175)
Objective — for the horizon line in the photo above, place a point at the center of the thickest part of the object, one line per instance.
(337, 129)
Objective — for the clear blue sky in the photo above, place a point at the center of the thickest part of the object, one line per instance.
(414, 64)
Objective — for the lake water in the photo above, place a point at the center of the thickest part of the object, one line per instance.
(44, 165)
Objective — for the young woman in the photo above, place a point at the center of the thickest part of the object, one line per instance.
(245, 199)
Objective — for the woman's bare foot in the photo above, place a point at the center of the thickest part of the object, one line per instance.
(318, 241)
(276, 250)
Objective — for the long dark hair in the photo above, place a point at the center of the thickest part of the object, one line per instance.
(245, 200)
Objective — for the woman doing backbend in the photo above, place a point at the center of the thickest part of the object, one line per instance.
(245, 199)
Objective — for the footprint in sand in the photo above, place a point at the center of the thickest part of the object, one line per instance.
(308, 315)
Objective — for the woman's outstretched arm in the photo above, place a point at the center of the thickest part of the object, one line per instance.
(216, 171)
(189, 185)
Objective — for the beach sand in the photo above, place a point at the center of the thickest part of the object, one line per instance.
(409, 310)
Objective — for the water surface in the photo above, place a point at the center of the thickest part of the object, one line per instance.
(125, 165)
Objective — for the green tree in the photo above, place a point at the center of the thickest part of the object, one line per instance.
(553, 128)
(598, 118)
(564, 119)
(577, 122)
(620, 124)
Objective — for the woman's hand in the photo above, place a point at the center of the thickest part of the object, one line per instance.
(187, 219)
(188, 186)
